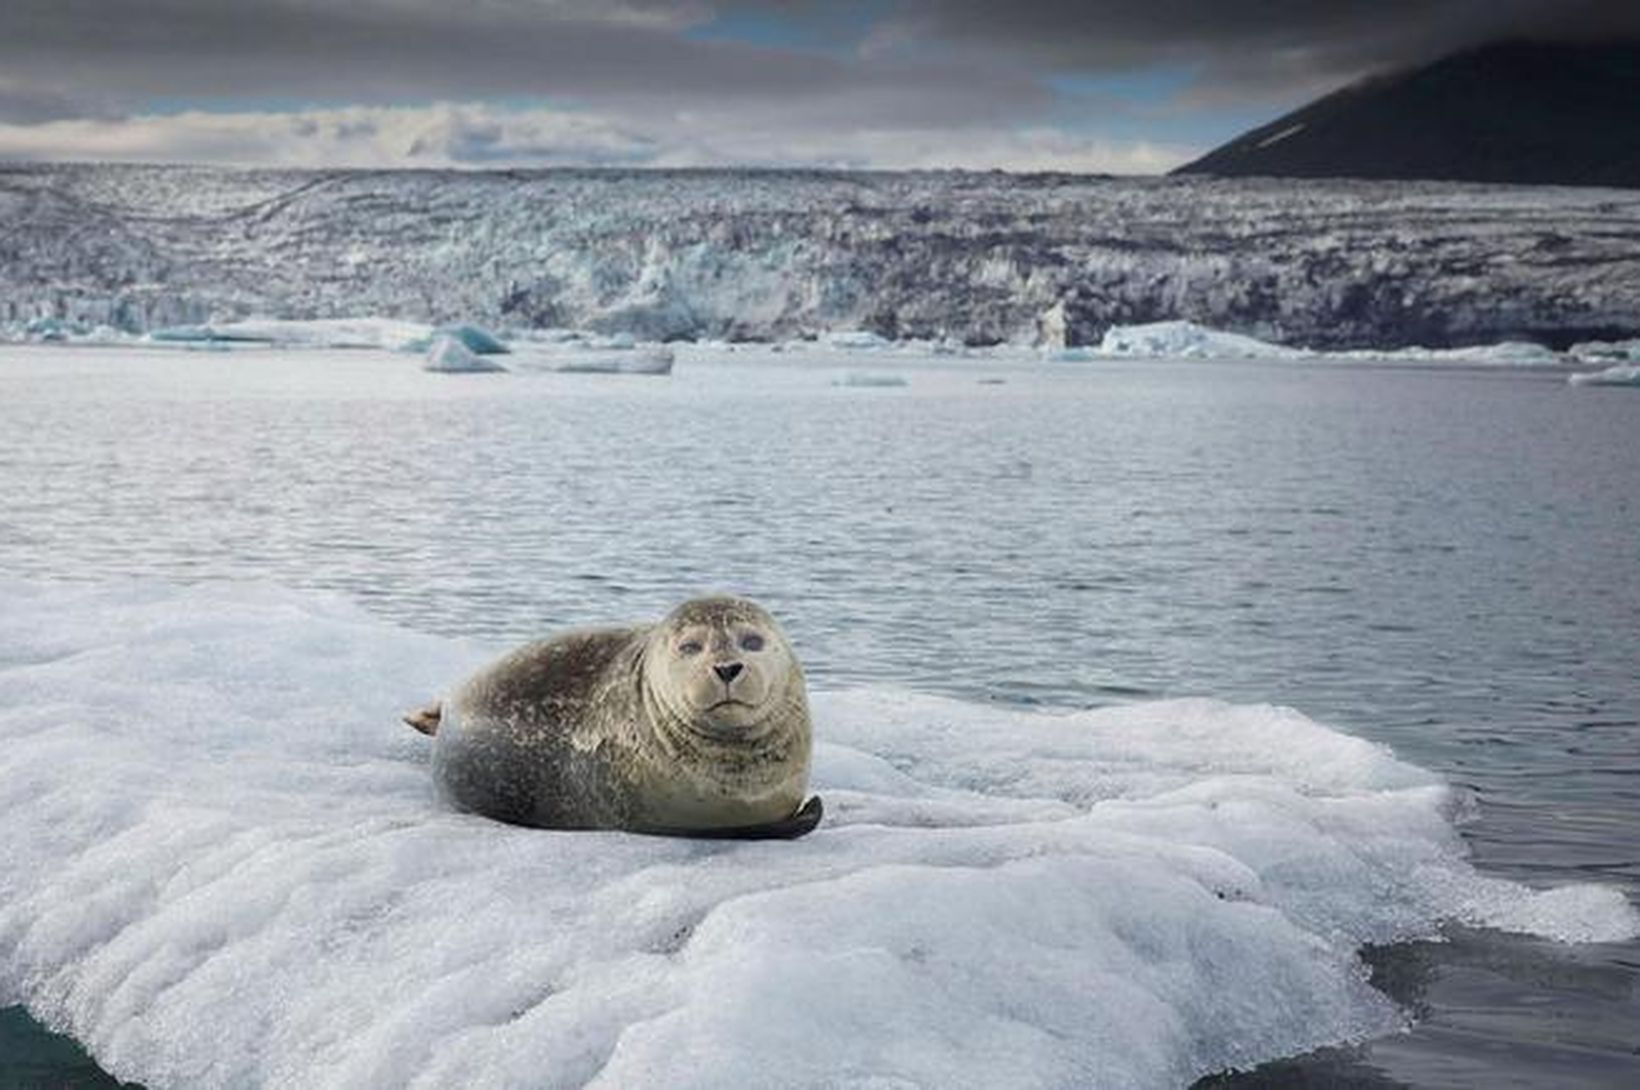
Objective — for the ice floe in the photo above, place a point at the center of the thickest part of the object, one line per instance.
(868, 379)
(1622, 374)
(384, 333)
(580, 358)
(1608, 352)
(1187, 340)
(451, 355)
(224, 865)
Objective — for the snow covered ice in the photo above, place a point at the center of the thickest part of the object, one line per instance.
(225, 866)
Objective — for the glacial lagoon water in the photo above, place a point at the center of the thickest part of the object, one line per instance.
(1441, 560)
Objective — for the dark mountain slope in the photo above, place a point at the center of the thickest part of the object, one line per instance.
(1516, 112)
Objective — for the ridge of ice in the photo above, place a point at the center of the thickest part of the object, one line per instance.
(225, 866)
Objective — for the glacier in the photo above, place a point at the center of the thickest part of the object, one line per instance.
(225, 865)
(863, 258)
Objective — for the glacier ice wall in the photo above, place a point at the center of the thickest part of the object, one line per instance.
(980, 258)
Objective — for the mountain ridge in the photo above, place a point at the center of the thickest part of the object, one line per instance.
(1512, 112)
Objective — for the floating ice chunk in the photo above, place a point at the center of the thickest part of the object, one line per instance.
(868, 379)
(1605, 351)
(451, 356)
(1069, 355)
(206, 334)
(382, 333)
(226, 865)
(550, 335)
(479, 341)
(1504, 354)
(1623, 374)
(648, 360)
(1187, 340)
(855, 340)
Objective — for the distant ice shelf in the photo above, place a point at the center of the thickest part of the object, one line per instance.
(225, 866)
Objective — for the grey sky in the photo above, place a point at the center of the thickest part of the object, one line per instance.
(1127, 84)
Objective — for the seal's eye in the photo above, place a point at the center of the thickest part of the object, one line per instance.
(751, 641)
(690, 647)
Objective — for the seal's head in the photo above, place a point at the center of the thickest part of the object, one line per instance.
(723, 667)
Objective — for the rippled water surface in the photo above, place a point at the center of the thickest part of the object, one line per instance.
(1447, 561)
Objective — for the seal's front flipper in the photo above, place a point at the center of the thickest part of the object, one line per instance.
(427, 719)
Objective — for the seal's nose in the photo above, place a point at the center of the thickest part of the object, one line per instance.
(728, 671)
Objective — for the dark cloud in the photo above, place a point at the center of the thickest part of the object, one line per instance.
(223, 54)
(924, 61)
(1251, 44)
(863, 82)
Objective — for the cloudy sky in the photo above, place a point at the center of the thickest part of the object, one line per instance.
(1115, 85)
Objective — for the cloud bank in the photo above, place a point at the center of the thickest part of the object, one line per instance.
(644, 82)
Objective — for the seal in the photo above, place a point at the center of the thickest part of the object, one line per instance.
(697, 725)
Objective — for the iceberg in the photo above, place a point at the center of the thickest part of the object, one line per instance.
(1503, 354)
(225, 865)
(1605, 351)
(473, 338)
(1622, 374)
(381, 333)
(868, 379)
(449, 355)
(855, 340)
(649, 360)
(1179, 339)
(1187, 340)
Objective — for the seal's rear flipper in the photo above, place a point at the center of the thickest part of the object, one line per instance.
(803, 821)
(427, 719)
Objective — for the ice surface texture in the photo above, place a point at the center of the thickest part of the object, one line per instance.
(224, 865)
(771, 255)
